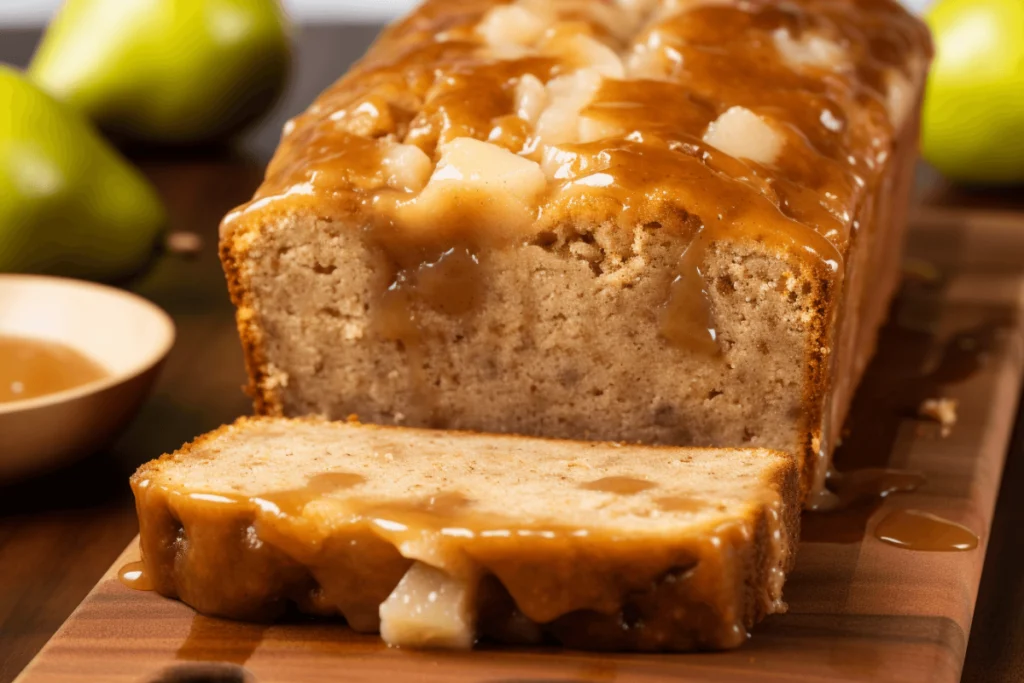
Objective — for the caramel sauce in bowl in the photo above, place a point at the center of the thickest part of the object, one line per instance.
(76, 361)
(30, 368)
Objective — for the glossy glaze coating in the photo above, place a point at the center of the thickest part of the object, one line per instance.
(918, 530)
(647, 81)
(671, 572)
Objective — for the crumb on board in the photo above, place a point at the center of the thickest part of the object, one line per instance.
(184, 243)
(941, 410)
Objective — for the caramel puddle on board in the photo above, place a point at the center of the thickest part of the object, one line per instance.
(857, 495)
(918, 530)
(133, 575)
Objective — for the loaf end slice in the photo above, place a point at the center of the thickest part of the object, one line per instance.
(444, 538)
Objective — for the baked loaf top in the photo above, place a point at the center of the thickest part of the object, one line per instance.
(480, 121)
(700, 538)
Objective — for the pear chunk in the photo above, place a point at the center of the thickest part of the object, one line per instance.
(530, 98)
(581, 51)
(743, 134)
(520, 23)
(429, 609)
(568, 95)
(810, 51)
(899, 100)
(406, 167)
(477, 180)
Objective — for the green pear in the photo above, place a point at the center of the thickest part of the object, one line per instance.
(166, 71)
(974, 108)
(69, 203)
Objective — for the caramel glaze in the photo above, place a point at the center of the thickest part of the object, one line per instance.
(433, 77)
(30, 368)
(917, 530)
(293, 502)
(625, 486)
(681, 504)
(842, 516)
(450, 283)
(252, 557)
(871, 484)
(133, 575)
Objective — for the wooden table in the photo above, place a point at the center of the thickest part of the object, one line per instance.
(59, 533)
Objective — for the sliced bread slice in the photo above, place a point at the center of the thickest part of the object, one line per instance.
(441, 538)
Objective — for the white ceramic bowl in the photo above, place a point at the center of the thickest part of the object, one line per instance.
(125, 334)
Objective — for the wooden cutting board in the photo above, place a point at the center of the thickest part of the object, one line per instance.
(860, 609)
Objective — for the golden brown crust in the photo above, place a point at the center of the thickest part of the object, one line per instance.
(817, 389)
(265, 400)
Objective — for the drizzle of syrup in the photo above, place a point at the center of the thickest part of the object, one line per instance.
(624, 486)
(451, 283)
(30, 368)
(434, 512)
(133, 575)
(292, 502)
(686, 321)
(893, 387)
(681, 504)
(855, 496)
(445, 504)
(917, 530)
(856, 486)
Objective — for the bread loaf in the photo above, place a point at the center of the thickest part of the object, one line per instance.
(661, 221)
(440, 538)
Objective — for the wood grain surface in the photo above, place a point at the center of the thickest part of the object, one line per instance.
(60, 532)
